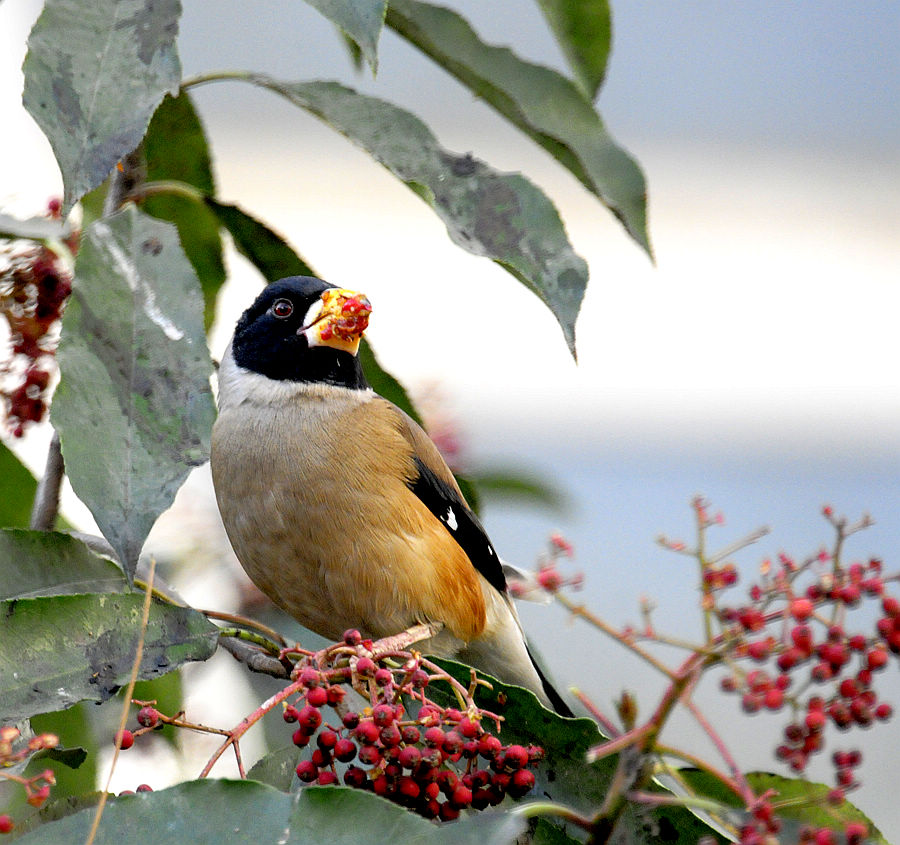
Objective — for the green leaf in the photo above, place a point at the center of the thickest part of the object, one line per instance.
(34, 228)
(360, 20)
(509, 484)
(277, 768)
(806, 802)
(544, 104)
(175, 148)
(94, 74)
(383, 383)
(134, 407)
(17, 489)
(583, 30)
(502, 216)
(264, 248)
(222, 812)
(46, 563)
(59, 650)
(564, 776)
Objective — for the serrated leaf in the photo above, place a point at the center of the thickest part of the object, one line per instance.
(134, 407)
(501, 216)
(17, 489)
(544, 104)
(583, 30)
(175, 148)
(263, 247)
(249, 812)
(34, 228)
(46, 563)
(59, 650)
(94, 74)
(360, 20)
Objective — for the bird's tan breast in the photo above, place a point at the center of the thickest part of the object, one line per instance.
(314, 498)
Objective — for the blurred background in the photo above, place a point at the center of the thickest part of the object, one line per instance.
(756, 362)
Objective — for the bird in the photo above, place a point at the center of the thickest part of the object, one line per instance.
(338, 505)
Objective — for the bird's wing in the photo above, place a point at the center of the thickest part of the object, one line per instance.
(434, 484)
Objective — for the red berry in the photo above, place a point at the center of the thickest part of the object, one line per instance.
(891, 606)
(384, 677)
(309, 718)
(344, 750)
(367, 732)
(369, 755)
(759, 650)
(449, 813)
(453, 743)
(411, 734)
(408, 788)
(521, 784)
(310, 677)
(877, 659)
(815, 720)
(327, 740)
(350, 720)
(326, 778)
(355, 776)
(461, 797)
(291, 713)
(884, 711)
(301, 738)
(801, 609)
(516, 757)
(306, 771)
(317, 697)
(409, 756)
(352, 637)
(383, 715)
(390, 736)
(365, 667)
(773, 698)
(419, 679)
(335, 695)
(855, 832)
(434, 737)
(6, 823)
(468, 727)
(125, 738)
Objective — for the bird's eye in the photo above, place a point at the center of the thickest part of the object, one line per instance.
(283, 308)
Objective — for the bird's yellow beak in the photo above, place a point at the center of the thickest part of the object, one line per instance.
(338, 320)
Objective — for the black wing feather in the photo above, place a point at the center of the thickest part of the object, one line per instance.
(454, 514)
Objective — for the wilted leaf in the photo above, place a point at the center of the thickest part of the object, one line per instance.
(17, 488)
(94, 74)
(264, 248)
(544, 104)
(134, 408)
(222, 812)
(502, 216)
(46, 563)
(59, 650)
(175, 148)
(360, 20)
(583, 30)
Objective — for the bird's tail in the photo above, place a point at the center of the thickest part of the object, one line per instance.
(559, 705)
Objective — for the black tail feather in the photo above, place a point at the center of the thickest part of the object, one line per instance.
(559, 705)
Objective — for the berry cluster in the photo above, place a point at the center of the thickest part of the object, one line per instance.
(13, 751)
(809, 661)
(437, 762)
(33, 291)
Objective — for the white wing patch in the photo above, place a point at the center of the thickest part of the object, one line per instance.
(450, 519)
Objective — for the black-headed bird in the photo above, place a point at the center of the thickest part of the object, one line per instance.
(338, 505)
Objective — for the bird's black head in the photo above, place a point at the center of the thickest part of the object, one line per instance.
(294, 333)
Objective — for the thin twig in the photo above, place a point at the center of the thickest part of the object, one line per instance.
(46, 498)
(126, 704)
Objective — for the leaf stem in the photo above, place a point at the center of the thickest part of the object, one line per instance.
(46, 498)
